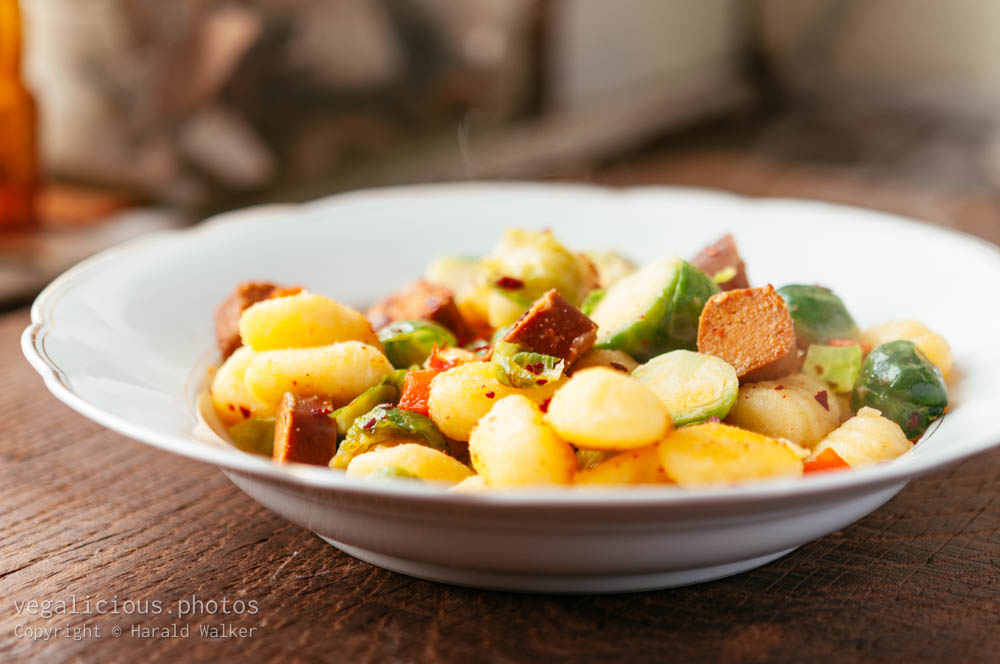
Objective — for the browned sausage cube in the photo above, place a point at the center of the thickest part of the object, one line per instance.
(751, 329)
(304, 432)
(227, 314)
(719, 256)
(553, 326)
(422, 301)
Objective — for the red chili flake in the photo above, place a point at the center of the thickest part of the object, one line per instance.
(913, 421)
(245, 412)
(295, 383)
(322, 410)
(232, 408)
(545, 405)
(620, 367)
(714, 419)
(535, 367)
(369, 424)
(509, 283)
(823, 399)
(490, 394)
(779, 387)
(541, 381)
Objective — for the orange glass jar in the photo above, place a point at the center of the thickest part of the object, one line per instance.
(18, 126)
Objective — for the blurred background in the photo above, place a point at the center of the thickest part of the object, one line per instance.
(118, 117)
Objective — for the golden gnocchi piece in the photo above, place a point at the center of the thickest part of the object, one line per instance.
(797, 407)
(638, 466)
(513, 446)
(302, 321)
(712, 454)
(471, 484)
(419, 461)
(603, 409)
(932, 345)
(461, 396)
(232, 399)
(866, 439)
(340, 371)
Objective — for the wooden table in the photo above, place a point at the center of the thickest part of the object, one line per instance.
(87, 514)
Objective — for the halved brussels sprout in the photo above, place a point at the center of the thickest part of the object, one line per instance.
(838, 366)
(905, 386)
(693, 387)
(654, 310)
(515, 367)
(819, 315)
(255, 435)
(409, 342)
(593, 298)
(590, 458)
(363, 403)
(385, 425)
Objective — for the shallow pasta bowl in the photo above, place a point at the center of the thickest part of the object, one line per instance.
(125, 338)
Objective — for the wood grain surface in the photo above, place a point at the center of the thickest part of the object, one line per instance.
(88, 514)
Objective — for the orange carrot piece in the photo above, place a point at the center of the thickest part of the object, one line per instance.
(416, 391)
(826, 461)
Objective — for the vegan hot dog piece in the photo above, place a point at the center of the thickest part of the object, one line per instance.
(722, 256)
(553, 326)
(227, 314)
(422, 300)
(751, 329)
(304, 432)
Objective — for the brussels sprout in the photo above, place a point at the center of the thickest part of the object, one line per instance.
(394, 472)
(611, 266)
(255, 435)
(515, 367)
(593, 298)
(395, 379)
(819, 315)
(654, 310)
(364, 402)
(693, 387)
(899, 381)
(385, 425)
(410, 342)
(586, 459)
(839, 366)
(525, 265)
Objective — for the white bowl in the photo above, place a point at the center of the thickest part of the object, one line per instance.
(125, 337)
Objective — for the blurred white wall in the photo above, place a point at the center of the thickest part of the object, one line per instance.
(601, 49)
(928, 53)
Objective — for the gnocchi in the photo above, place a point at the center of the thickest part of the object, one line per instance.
(232, 399)
(512, 445)
(865, 439)
(417, 461)
(537, 365)
(340, 371)
(712, 453)
(302, 321)
(797, 407)
(931, 345)
(461, 396)
(604, 409)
